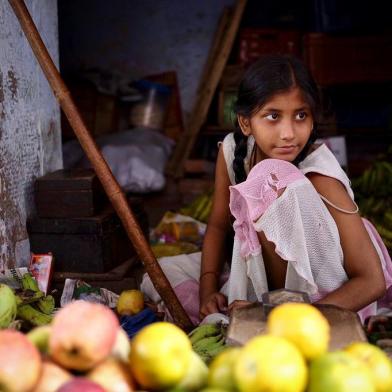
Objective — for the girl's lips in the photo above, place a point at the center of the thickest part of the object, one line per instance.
(286, 149)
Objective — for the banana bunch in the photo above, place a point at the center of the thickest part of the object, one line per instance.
(208, 340)
(372, 190)
(200, 208)
(376, 180)
(33, 306)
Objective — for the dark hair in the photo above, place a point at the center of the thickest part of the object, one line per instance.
(266, 77)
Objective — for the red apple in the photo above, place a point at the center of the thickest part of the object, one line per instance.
(20, 362)
(52, 378)
(83, 334)
(113, 375)
(80, 384)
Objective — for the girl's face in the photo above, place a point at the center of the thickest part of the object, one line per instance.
(281, 127)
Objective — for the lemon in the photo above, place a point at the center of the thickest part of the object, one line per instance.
(303, 325)
(160, 355)
(221, 369)
(196, 376)
(130, 302)
(339, 371)
(270, 363)
(376, 361)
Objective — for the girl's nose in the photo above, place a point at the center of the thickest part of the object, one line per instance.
(287, 131)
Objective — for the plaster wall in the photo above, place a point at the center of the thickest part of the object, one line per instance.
(30, 138)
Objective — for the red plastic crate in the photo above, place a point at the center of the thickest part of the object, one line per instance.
(253, 43)
(348, 59)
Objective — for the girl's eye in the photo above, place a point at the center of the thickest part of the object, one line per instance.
(301, 116)
(272, 116)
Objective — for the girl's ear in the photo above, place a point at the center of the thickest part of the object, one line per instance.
(244, 124)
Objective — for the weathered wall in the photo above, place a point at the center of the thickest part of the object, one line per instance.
(30, 141)
(141, 37)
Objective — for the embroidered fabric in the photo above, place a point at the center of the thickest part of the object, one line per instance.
(251, 198)
(297, 222)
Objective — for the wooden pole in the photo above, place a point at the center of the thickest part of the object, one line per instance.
(109, 183)
(221, 51)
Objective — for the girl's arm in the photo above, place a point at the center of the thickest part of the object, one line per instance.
(361, 262)
(213, 255)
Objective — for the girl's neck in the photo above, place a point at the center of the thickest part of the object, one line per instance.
(257, 156)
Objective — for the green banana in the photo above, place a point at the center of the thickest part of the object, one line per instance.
(200, 207)
(206, 342)
(204, 215)
(387, 167)
(211, 345)
(46, 304)
(32, 315)
(28, 296)
(388, 219)
(203, 331)
(29, 283)
(191, 208)
(388, 243)
(372, 181)
(205, 357)
(365, 181)
(209, 352)
(217, 350)
(384, 232)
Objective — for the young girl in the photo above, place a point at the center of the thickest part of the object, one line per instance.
(295, 220)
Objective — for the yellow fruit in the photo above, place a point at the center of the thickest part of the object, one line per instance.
(303, 325)
(270, 364)
(160, 356)
(339, 371)
(376, 361)
(209, 389)
(130, 302)
(221, 374)
(196, 376)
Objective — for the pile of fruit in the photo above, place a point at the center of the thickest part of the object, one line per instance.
(25, 307)
(208, 340)
(200, 207)
(85, 349)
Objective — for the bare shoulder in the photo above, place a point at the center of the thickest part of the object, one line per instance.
(332, 189)
(220, 214)
(221, 173)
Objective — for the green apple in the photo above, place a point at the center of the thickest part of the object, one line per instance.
(377, 361)
(339, 372)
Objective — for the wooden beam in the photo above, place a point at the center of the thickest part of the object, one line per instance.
(207, 90)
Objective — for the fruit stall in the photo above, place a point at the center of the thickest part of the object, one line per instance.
(84, 346)
(81, 338)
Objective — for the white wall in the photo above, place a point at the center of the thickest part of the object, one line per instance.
(30, 139)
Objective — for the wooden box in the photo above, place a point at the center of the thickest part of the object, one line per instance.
(86, 244)
(68, 194)
(98, 110)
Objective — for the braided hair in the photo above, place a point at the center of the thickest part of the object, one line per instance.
(270, 75)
